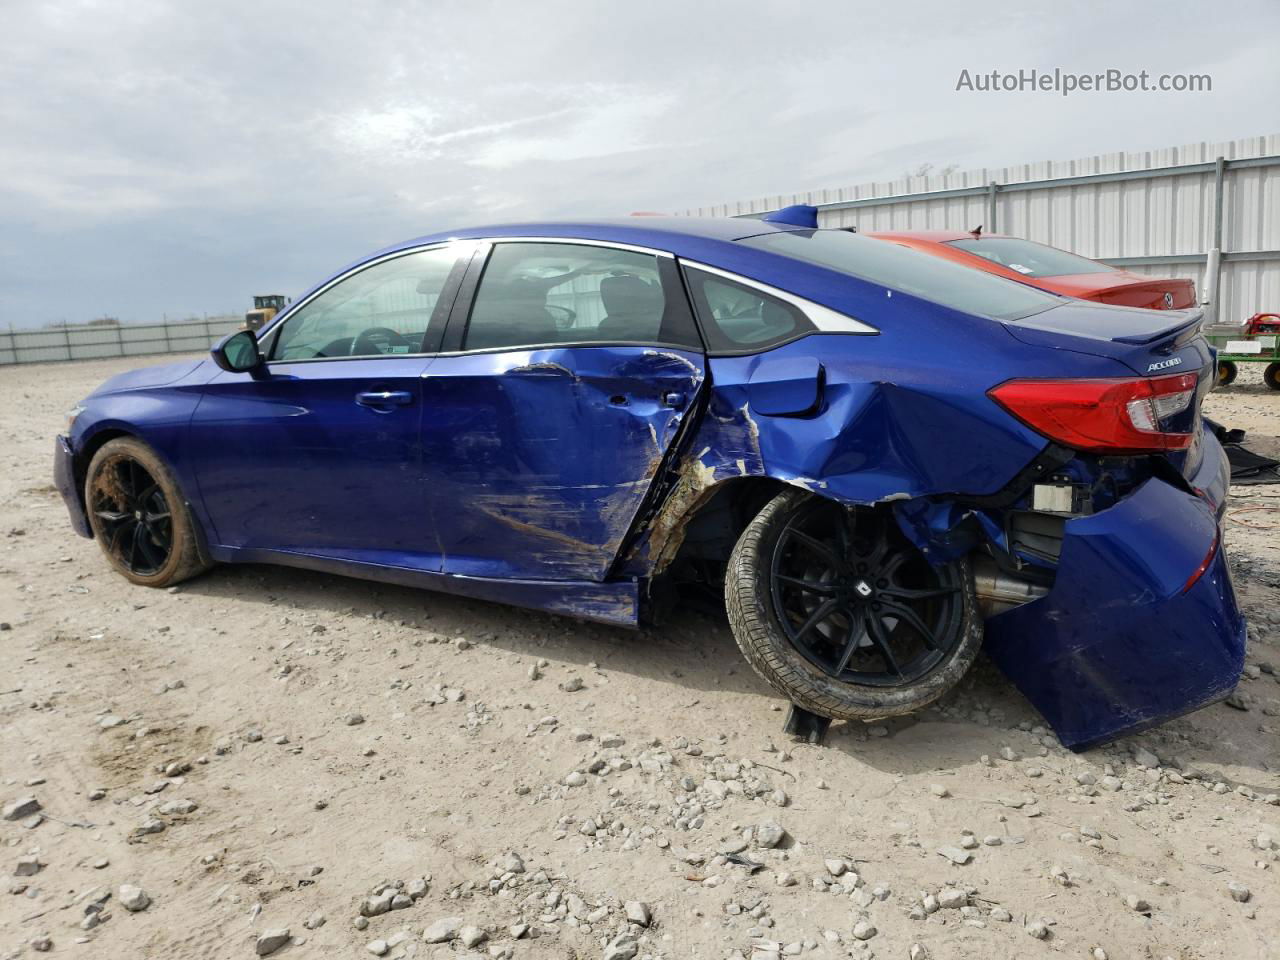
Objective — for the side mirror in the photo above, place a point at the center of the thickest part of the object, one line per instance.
(238, 352)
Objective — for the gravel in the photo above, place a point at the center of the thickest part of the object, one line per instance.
(472, 936)
(769, 834)
(638, 912)
(134, 899)
(21, 808)
(955, 855)
(622, 947)
(443, 930)
(271, 940)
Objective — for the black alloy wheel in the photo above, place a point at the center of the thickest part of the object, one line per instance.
(134, 515)
(860, 602)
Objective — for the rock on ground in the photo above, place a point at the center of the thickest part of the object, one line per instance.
(443, 930)
(133, 899)
(271, 940)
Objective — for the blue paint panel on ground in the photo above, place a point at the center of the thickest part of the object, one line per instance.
(1116, 645)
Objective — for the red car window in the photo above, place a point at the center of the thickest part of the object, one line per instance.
(1029, 258)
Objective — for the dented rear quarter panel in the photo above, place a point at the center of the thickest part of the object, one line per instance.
(901, 415)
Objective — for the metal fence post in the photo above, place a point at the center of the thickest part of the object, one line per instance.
(1213, 263)
(992, 187)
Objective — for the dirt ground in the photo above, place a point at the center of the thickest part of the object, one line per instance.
(622, 769)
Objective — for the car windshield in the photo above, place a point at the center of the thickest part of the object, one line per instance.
(1029, 258)
(909, 271)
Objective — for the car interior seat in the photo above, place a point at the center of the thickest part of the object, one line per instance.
(633, 309)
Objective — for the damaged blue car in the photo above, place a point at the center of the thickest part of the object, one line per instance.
(883, 462)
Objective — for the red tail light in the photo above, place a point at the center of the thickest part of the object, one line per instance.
(1102, 416)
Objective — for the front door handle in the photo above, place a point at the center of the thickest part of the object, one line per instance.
(384, 398)
(673, 399)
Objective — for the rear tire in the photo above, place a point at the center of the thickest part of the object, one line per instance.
(1227, 371)
(139, 516)
(1271, 376)
(820, 676)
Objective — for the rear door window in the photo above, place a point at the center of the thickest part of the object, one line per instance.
(556, 294)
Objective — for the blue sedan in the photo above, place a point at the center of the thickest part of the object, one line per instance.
(879, 461)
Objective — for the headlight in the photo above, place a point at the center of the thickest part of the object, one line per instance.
(71, 416)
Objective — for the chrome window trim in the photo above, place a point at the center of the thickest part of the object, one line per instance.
(575, 241)
(823, 318)
(363, 356)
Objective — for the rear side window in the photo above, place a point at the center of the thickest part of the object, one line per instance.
(1029, 258)
(909, 271)
(546, 294)
(737, 318)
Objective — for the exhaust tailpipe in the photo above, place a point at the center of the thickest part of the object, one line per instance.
(998, 591)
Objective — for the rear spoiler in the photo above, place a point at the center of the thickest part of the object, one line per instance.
(1185, 325)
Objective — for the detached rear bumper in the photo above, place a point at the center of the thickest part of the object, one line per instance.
(64, 478)
(1129, 636)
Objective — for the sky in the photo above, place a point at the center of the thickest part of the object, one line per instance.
(165, 159)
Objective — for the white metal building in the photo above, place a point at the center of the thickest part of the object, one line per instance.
(1209, 211)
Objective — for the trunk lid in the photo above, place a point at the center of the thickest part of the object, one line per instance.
(1151, 343)
(1123, 289)
(1137, 338)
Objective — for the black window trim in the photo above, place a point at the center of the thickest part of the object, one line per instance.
(460, 315)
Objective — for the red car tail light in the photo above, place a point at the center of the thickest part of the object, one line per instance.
(1102, 416)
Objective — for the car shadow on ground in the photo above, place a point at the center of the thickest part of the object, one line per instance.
(694, 649)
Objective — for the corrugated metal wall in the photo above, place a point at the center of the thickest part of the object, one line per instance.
(86, 343)
(1164, 216)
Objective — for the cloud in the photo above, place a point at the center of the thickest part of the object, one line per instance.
(166, 157)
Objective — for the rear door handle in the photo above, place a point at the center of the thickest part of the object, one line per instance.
(384, 398)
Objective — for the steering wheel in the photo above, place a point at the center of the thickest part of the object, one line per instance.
(375, 340)
(563, 316)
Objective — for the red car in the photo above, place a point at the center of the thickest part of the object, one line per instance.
(1049, 268)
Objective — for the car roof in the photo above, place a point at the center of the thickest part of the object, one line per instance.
(676, 234)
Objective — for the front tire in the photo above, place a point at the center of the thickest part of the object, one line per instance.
(139, 516)
(842, 615)
(1227, 372)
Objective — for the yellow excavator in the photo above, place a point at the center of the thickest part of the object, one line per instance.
(264, 309)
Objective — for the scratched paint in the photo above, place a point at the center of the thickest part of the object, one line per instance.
(536, 472)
